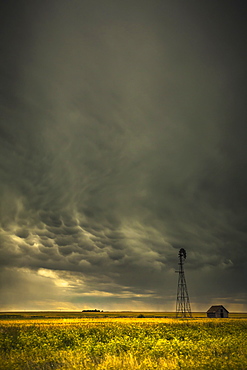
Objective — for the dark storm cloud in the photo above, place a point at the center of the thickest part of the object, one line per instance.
(123, 140)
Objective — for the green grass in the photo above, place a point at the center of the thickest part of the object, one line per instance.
(58, 341)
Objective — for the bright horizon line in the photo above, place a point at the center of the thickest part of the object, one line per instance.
(60, 310)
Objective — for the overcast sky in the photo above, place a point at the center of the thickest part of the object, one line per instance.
(122, 140)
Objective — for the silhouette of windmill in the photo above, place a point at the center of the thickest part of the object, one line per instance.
(183, 303)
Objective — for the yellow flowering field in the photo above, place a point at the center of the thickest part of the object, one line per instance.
(109, 343)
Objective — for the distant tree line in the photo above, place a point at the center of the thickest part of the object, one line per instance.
(92, 310)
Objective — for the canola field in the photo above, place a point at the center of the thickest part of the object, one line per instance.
(114, 343)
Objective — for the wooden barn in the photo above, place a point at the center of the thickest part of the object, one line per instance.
(217, 311)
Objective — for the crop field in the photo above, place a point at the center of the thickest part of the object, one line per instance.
(45, 341)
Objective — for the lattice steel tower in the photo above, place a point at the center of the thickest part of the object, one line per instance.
(183, 303)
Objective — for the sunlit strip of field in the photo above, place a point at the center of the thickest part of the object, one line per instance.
(51, 322)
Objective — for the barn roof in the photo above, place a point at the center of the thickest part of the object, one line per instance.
(214, 309)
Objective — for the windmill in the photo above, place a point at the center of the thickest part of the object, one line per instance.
(183, 303)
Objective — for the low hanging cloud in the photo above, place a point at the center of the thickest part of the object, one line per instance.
(122, 141)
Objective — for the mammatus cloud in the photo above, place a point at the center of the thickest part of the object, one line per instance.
(120, 144)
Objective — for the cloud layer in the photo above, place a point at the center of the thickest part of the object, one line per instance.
(122, 140)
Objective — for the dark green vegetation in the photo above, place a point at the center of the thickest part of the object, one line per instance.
(104, 314)
(85, 314)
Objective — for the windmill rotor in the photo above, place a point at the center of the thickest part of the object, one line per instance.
(182, 253)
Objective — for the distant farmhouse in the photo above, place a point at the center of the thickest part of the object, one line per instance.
(217, 311)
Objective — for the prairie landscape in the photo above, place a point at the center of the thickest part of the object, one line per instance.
(122, 340)
(123, 162)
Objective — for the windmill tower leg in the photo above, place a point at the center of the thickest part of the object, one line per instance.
(183, 308)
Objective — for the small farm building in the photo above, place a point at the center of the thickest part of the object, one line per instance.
(217, 311)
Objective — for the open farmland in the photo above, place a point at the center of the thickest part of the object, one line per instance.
(56, 340)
